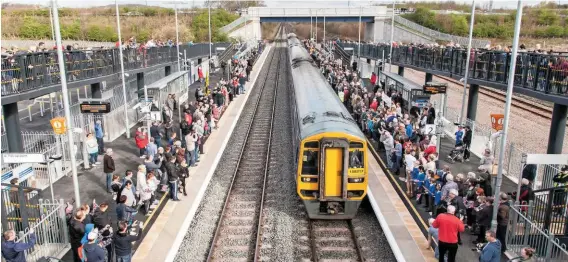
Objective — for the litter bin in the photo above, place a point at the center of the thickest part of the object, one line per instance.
(56, 167)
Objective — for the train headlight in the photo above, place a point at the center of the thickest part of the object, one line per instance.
(356, 180)
(309, 179)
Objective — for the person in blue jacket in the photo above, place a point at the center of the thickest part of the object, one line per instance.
(13, 251)
(459, 135)
(491, 252)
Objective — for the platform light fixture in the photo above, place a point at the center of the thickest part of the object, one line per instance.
(468, 57)
(122, 75)
(66, 102)
(510, 82)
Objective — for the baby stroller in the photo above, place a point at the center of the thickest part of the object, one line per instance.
(457, 154)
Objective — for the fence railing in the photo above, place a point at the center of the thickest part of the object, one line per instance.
(514, 154)
(25, 72)
(228, 28)
(546, 73)
(524, 231)
(50, 232)
(476, 43)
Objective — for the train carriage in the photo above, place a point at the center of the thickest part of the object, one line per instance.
(330, 148)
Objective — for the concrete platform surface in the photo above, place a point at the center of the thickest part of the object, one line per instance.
(402, 231)
(164, 238)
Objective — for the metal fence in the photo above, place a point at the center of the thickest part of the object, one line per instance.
(24, 72)
(546, 73)
(514, 154)
(476, 43)
(50, 232)
(20, 207)
(523, 231)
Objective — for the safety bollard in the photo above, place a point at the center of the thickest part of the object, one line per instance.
(41, 108)
(86, 96)
(30, 112)
(78, 95)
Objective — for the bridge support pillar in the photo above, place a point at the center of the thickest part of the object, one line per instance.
(140, 84)
(374, 31)
(12, 125)
(168, 70)
(557, 129)
(256, 28)
(428, 78)
(472, 101)
(401, 70)
(96, 90)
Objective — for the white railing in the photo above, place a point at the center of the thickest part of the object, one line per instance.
(231, 26)
(50, 232)
(463, 41)
(513, 153)
(522, 232)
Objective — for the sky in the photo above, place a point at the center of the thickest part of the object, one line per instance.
(511, 4)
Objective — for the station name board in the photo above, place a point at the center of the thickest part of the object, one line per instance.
(95, 107)
(435, 88)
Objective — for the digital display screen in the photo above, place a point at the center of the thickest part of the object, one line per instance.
(97, 108)
(435, 88)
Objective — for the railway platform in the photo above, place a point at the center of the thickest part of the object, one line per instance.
(164, 238)
(409, 211)
(401, 230)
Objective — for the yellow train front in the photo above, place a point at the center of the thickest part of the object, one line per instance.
(331, 150)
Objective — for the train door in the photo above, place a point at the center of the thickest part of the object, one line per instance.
(333, 172)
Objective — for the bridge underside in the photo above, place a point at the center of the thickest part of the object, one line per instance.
(306, 19)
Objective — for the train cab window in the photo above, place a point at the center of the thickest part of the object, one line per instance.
(356, 155)
(310, 162)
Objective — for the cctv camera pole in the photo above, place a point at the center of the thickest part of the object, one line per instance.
(127, 126)
(507, 110)
(464, 95)
(52, 29)
(65, 93)
(359, 41)
(177, 39)
(311, 31)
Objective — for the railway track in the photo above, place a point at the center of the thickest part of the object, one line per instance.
(523, 104)
(334, 240)
(239, 227)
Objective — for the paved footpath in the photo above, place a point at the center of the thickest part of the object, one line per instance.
(92, 182)
(447, 144)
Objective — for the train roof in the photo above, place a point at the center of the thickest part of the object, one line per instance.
(319, 108)
(408, 85)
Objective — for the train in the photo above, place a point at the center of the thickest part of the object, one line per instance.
(330, 149)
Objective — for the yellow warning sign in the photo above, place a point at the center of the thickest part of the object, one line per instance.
(59, 126)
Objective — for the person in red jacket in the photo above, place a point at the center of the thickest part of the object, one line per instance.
(141, 139)
(373, 79)
(374, 105)
(448, 226)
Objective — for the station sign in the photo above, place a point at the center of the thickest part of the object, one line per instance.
(95, 107)
(59, 126)
(434, 88)
(21, 172)
(16, 158)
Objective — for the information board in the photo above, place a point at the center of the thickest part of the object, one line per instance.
(433, 88)
(95, 107)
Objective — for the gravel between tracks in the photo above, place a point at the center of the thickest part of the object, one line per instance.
(526, 130)
(197, 240)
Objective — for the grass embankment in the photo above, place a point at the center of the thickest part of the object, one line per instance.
(99, 24)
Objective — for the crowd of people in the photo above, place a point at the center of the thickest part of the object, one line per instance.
(456, 202)
(168, 154)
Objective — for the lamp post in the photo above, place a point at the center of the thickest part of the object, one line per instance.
(324, 26)
(177, 39)
(209, 12)
(316, 27)
(127, 126)
(511, 78)
(311, 32)
(65, 94)
(359, 31)
(464, 95)
(392, 36)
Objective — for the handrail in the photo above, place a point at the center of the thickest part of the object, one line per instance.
(229, 27)
(478, 43)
